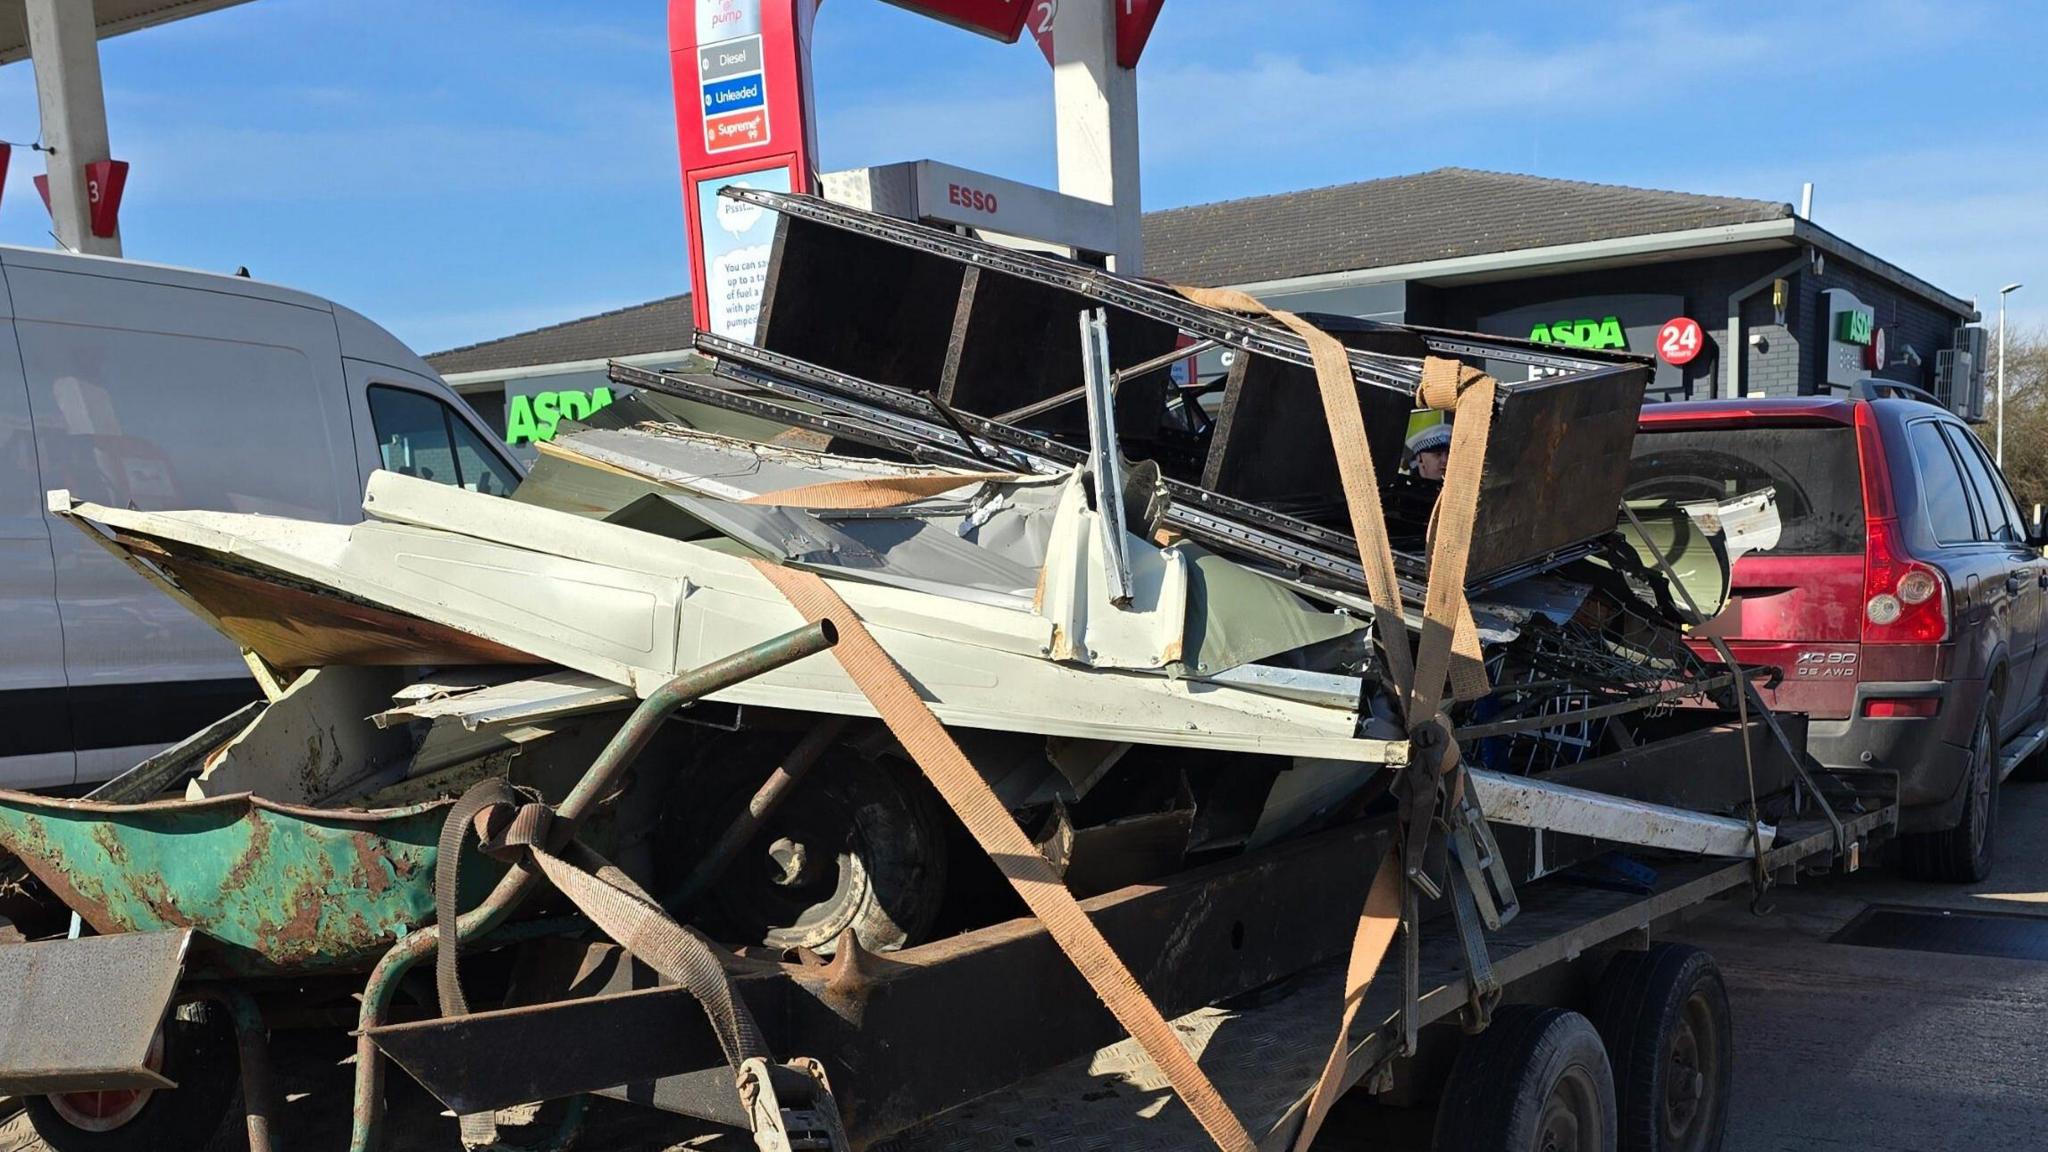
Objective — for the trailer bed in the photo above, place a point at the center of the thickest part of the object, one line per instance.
(1265, 1049)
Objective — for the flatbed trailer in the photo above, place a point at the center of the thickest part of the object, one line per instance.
(1264, 1050)
(990, 1037)
(966, 1043)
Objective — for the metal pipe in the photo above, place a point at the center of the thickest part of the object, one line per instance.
(367, 1122)
(597, 782)
(773, 791)
(252, 1049)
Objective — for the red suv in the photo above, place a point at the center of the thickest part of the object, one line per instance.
(1903, 599)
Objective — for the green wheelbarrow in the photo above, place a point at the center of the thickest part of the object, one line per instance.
(191, 899)
(269, 889)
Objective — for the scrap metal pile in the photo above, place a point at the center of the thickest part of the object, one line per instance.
(1091, 620)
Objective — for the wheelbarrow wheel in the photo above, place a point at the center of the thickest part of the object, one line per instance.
(202, 1114)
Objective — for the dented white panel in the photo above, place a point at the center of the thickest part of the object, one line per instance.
(980, 666)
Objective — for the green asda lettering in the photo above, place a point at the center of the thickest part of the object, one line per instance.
(530, 419)
(1604, 333)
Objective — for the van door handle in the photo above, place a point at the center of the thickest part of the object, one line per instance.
(2041, 577)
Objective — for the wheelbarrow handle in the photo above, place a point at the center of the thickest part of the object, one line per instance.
(597, 782)
(631, 739)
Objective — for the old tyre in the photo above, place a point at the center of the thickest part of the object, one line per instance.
(1962, 854)
(858, 845)
(1536, 1080)
(202, 1114)
(1663, 1015)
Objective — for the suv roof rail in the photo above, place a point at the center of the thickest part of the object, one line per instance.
(1870, 388)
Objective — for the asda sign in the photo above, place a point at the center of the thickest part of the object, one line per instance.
(532, 419)
(1854, 325)
(1627, 322)
(1602, 333)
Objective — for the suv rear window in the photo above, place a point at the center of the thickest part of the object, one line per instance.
(1815, 473)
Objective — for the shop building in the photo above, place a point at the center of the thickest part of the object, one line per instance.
(1735, 297)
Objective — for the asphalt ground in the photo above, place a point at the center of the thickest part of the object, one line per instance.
(1875, 1049)
(1853, 1047)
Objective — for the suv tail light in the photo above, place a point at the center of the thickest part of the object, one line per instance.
(1904, 601)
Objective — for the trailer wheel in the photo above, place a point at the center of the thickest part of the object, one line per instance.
(1664, 1016)
(202, 1114)
(1536, 1080)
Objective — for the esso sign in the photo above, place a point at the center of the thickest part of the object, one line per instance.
(973, 199)
(1678, 341)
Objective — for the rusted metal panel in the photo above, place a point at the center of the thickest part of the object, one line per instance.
(1562, 434)
(889, 311)
(1272, 446)
(80, 1013)
(270, 887)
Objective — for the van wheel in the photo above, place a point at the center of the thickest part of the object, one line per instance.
(1664, 1017)
(202, 1114)
(1536, 1080)
(1962, 854)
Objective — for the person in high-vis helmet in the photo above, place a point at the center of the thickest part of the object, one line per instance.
(1429, 450)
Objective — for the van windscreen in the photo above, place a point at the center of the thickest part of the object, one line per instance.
(1818, 482)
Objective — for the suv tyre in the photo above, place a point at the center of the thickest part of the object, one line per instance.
(1962, 854)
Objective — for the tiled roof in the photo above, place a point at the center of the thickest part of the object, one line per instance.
(658, 326)
(1435, 215)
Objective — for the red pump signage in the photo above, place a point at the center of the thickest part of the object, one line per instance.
(1134, 21)
(743, 116)
(104, 182)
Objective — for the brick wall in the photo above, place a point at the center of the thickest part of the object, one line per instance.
(1907, 320)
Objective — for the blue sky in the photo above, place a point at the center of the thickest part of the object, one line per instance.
(460, 170)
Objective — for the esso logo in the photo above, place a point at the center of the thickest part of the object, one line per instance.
(1678, 341)
(973, 199)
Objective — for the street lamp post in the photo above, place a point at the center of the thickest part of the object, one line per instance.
(2008, 290)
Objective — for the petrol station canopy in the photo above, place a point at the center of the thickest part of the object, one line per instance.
(113, 17)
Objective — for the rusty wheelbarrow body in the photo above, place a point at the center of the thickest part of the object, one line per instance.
(267, 888)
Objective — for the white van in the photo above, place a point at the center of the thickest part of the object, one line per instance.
(155, 388)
